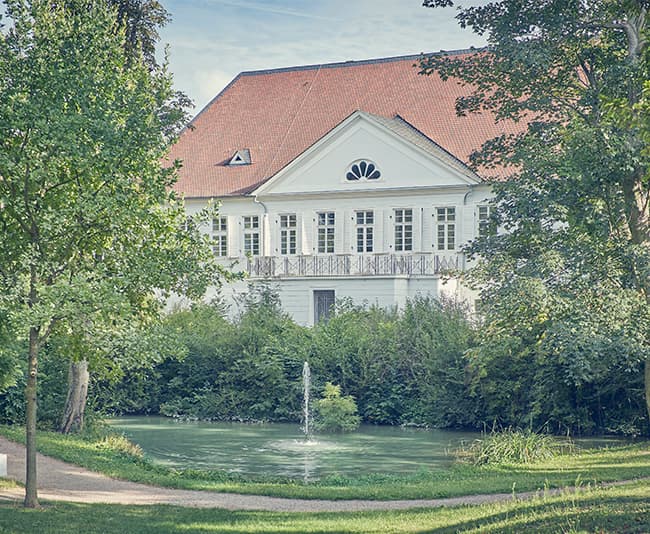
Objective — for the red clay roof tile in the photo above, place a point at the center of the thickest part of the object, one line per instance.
(277, 114)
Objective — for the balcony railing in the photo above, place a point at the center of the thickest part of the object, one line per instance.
(416, 264)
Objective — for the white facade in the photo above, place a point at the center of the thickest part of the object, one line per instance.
(318, 232)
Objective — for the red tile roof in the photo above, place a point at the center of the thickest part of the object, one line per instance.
(277, 114)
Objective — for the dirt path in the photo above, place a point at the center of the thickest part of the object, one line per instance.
(59, 481)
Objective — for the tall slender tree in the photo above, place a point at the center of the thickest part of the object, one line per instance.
(576, 211)
(138, 23)
(91, 227)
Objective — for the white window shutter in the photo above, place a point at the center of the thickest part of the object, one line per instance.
(380, 239)
(340, 222)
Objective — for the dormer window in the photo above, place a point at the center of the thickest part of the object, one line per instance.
(362, 169)
(241, 157)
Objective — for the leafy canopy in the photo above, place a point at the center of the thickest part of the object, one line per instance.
(569, 273)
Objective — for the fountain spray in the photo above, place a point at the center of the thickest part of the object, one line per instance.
(306, 383)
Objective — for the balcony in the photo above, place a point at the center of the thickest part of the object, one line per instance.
(362, 265)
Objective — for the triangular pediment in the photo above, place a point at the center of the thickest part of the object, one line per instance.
(370, 153)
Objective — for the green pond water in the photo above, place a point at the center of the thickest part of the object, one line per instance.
(281, 449)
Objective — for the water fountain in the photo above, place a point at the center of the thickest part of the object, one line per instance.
(281, 449)
(306, 384)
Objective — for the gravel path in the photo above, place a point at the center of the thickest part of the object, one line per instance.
(60, 481)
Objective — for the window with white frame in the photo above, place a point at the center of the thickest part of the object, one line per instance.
(220, 236)
(251, 225)
(365, 230)
(446, 228)
(326, 226)
(403, 230)
(486, 225)
(288, 233)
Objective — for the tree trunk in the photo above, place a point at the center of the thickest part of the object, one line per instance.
(31, 496)
(75, 403)
(647, 386)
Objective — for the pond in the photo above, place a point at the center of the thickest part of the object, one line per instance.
(281, 449)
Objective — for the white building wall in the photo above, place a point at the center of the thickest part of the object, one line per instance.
(296, 294)
(315, 182)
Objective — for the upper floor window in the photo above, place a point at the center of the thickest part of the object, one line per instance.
(365, 231)
(362, 170)
(486, 225)
(403, 230)
(326, 225)
(288, 233)
(446, 228)
(220, 236)
(251, 234)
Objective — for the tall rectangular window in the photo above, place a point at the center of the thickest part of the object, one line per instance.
(288, 233)
(220, 236)
(485, 224)
(323, 304)
(403, 230)
(326, 227)
(251, 234)
(446, 228)
(365, 231)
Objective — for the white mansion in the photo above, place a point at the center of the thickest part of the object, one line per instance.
(340, 180)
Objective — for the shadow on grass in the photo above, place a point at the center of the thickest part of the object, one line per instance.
(618, 510)
(597, 514)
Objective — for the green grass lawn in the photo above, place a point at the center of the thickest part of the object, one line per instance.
(620, 463)
(620, 509)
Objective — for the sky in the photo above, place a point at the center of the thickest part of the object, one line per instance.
(211, 41)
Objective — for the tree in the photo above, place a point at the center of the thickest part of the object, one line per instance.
(138, 21)
(90, 225)
(576, 211)
(335, 413)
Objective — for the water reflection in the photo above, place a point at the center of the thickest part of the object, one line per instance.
(282, 450)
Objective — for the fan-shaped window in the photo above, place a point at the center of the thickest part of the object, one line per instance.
(362, 170)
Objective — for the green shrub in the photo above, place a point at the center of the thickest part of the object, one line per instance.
(512, 446)
(335, 413)
(121, 445)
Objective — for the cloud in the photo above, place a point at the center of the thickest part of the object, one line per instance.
(266, 8)
(213, 40)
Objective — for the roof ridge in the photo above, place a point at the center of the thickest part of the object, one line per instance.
(354, 63)
(351, 63)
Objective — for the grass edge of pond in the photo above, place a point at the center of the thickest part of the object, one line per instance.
(619, 463)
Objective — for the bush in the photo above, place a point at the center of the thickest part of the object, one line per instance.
(119, 444)
(512, 447)
(335, 413)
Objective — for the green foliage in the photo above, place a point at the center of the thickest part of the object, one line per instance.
(120, 445)
(91, 226)
(402, 368)
(335, 413)
(421, 366)
(566, 284)
(512, 446)
(248, 369)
